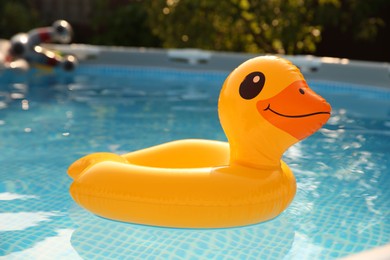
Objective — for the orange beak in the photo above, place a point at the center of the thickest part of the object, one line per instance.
(296, 110)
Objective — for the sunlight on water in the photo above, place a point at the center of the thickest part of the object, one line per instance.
(14, 196)
(23, 220)
(53, 247)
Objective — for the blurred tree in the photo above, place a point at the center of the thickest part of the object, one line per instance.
(357, 17)
(355, 29)
(121, 23)
(16, 16)
(276, 26)
(237, 25)
(344, 28)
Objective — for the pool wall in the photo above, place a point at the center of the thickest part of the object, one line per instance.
(316, 68)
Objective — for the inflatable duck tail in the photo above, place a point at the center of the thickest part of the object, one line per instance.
(85, 162)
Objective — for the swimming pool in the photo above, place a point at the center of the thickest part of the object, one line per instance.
(49, 120)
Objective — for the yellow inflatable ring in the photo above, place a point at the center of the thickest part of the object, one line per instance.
(265, 106)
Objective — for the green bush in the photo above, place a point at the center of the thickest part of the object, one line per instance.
(16, 16)
(125, 25)
(324, 27)
(276, 26)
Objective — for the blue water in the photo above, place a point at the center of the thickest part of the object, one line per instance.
(49, 120)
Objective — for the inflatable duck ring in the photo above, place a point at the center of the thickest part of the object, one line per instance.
(265, 106)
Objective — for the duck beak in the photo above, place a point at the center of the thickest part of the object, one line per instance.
(297, 110)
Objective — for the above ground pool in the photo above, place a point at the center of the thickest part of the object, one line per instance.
(47, 120)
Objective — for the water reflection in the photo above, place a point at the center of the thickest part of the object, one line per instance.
(16, 196)
(97, 237)
(52, 247)
(23, 220)
(342, 204)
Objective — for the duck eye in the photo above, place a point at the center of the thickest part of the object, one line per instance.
(252, 85)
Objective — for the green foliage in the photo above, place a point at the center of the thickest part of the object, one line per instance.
(357, 17)
(121, 24)
(237, 25)
(276, 26)
(271, 26)
(16, 16)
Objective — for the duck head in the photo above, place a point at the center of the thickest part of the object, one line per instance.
(265, 106)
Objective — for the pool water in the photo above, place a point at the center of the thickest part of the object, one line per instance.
(47, 121)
